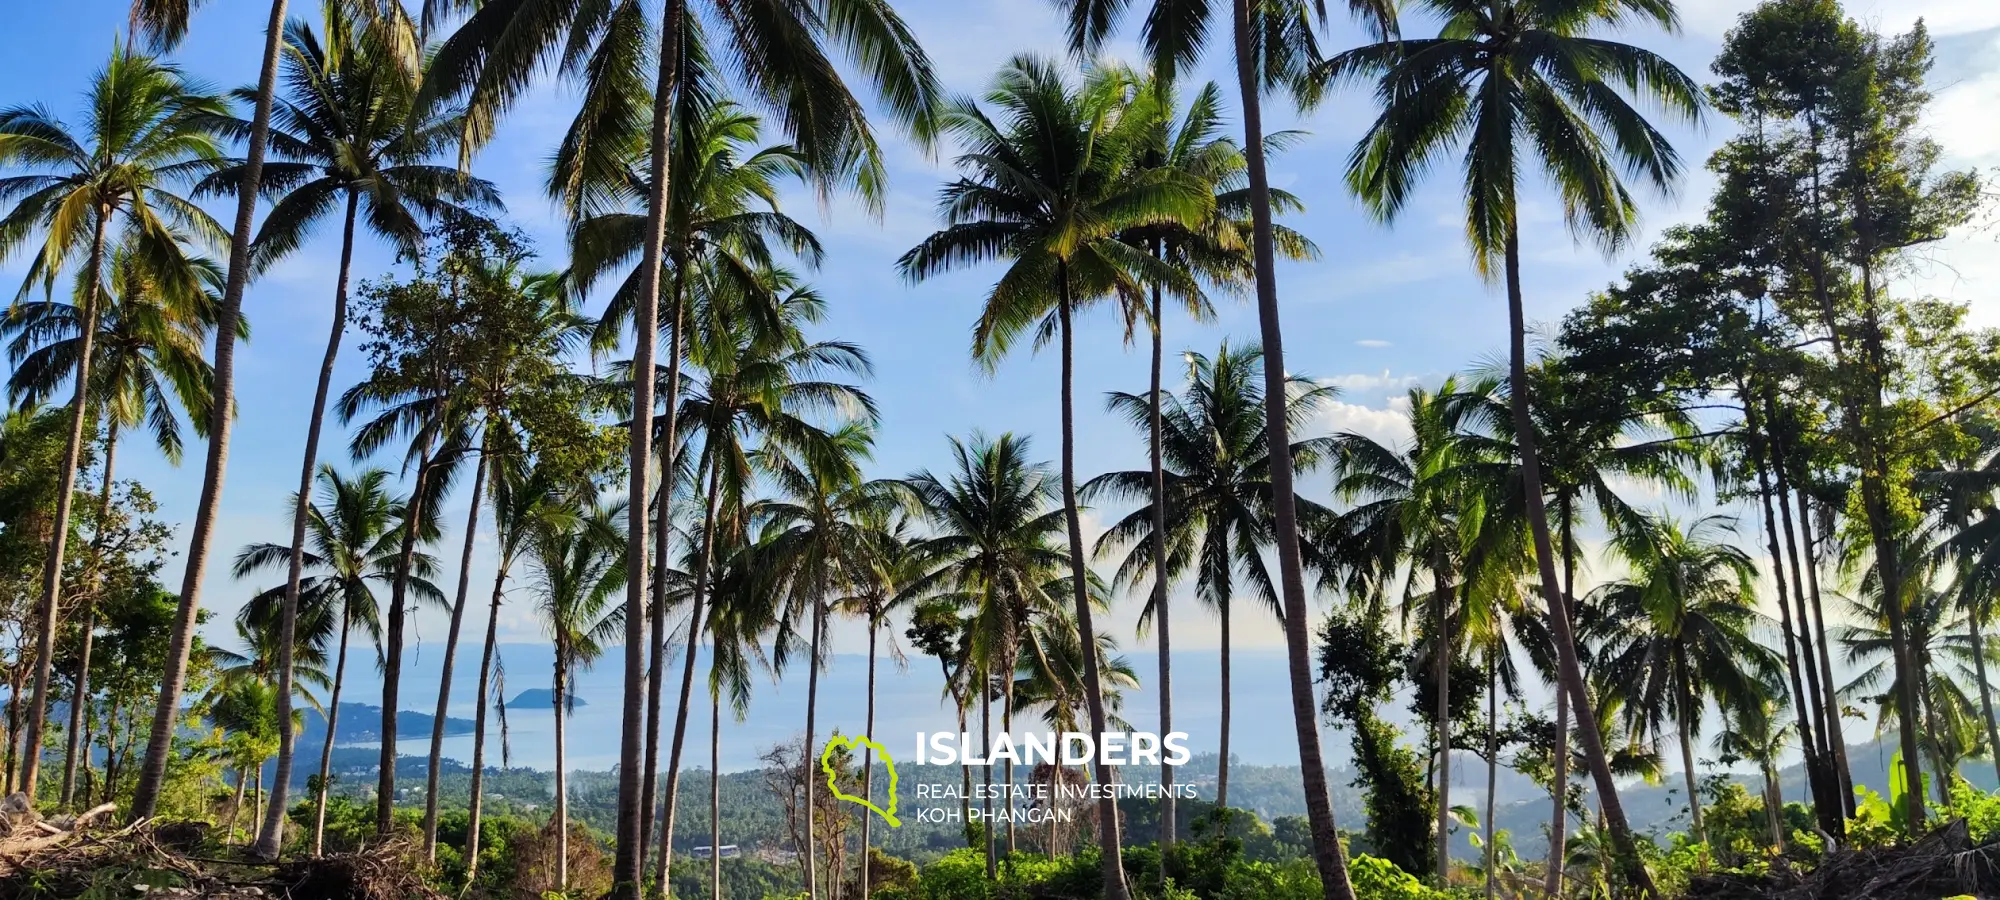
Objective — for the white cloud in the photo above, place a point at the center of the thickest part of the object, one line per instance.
(1385, 424)
(1373, 343)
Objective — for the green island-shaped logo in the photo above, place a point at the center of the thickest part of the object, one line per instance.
(826, 766)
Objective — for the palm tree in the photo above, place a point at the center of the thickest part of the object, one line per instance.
(166, 22)
(149, 360)
(993, 549)
(528, 501)
(763, 381)
(779, 54)
(1675, 635)
(1274, 48)
(1495, 75)
(242, 700)
(816, 534)
(1051, 192)
(894, 569)
(1410, 520)
(723, 220)
(1218, 491)
(344, 138)
(1755, 735)
(353, 549)
(149, 128)
(577, 570)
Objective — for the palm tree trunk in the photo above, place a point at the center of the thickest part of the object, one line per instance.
(1107, 807)
(1690, 717)
(1305, 714)
(479, 727)
(1774, 806)
(78, 748)
(687, 681)
(160, 743)
(868, 756)
(964, 769)
(562, 770)
(1559, 786)
(392, 657)
(1492, 762)
(435, 764)
(1160, 603)
(1835, 737)
(986, 777)
(669, 456)
(270, 836)
(1441, 629)
(1228, 690)
(715, 794)
(236, 805)
(47, 614)
(812, 707)
(332, 728)
(1007, 728)
(628, 868)
(1569, 669)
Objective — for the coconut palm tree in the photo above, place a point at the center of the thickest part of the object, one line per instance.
(1275, 48)
(780, 55)
(149, 130)
(1675, 635)
(992, 550)
(894, 569)
(149, 360)
(1218, 490)
(1495, 78)
(1409, 520)
(764, 390)
(813, 548)
(166, 22)
(345, 139)
(1050, 192)
(1754, 734)
(241, 701)
(353, 550)
(578, 569)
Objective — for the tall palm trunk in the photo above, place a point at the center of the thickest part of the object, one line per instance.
(1559, 816)
(1441, 628)
(1159, 541)
(715, 794)
(868, 755)
(812, 707)
(687, 678)
(434, 765)
(986, 774)
(332, 728)
(392, 657)
(270, 836)
(964, 768)
(1298, 649)
(1107, 807)
(1228, 690)
(1569, 669)
(78, 747)
(160, 743)
(52, 564)
(236, 805)
(559, 701)
(479, 727)
(628, 867)
(1822, 707)
(1774, 805)
(669, 464)
(1492, 762)
(1690, 717)
(1007, 728)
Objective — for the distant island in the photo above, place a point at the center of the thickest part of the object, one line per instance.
(361, 723)
(540, 698)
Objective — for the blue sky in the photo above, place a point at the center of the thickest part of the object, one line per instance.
(1383, 310)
